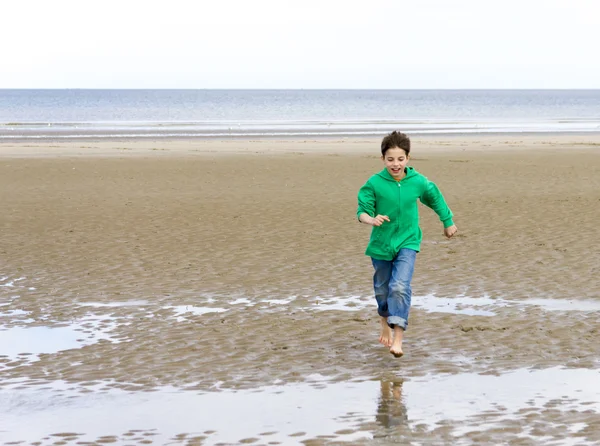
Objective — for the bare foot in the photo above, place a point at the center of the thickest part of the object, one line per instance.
(396, 347)
(386, 333)
(397, 352)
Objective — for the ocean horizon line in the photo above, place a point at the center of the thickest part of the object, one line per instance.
(284, 89)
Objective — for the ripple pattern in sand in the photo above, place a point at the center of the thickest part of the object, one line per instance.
(208, 275)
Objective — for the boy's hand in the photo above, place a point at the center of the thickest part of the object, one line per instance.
(450, 231)
(378, 221)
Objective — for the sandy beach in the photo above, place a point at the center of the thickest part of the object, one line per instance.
(139, 275)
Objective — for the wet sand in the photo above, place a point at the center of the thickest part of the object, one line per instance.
(208, 271)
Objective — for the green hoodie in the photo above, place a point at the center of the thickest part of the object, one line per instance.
(383, 195)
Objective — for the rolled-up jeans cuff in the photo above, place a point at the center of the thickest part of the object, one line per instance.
(397, 320)
(383, 313)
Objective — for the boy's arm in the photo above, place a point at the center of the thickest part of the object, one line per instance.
(366, 207)
(433, 198)
(366, 202)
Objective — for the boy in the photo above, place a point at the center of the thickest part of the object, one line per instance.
(388, 202)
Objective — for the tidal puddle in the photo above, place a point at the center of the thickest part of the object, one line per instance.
(126, 303)
(242, 300)
(568, 400)
(470, 306)
(562, 304)
(347, 303)
(12, 314)
(10, 284)
(467, 397)
(458, 305)
(7, 282)
(279, 301)
(24, 344)
(182, 310)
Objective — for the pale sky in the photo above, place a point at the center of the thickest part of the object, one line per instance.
(300, 44)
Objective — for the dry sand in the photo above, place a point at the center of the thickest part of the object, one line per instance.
(141, 240)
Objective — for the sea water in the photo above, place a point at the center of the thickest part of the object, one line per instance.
(100, 114)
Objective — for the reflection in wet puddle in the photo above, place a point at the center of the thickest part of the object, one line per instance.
(345, 411)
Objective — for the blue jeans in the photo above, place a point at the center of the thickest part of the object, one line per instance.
(391, 282)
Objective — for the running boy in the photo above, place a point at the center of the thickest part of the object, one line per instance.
(388, 202)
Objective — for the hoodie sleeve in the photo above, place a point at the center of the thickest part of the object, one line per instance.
(433, 198)
(366, 200)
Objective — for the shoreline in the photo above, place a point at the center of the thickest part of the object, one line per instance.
(298, 135)
(277, 145)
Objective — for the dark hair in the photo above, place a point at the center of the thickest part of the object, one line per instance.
(395, 139)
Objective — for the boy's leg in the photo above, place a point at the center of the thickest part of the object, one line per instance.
(396, 345)
(399, 297)
(386, 335)
(381, 281)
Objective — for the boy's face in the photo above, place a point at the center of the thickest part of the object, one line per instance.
(395, 160)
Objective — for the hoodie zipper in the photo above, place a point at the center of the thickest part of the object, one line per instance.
(399, 206)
